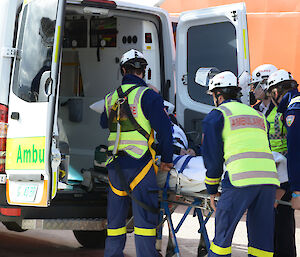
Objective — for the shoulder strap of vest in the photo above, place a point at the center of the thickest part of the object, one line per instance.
(131, 118)
(113, 112)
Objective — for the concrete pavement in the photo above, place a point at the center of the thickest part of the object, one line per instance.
(51, 243)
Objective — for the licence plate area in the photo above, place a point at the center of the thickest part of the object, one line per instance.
(26, 193)
(29, 193)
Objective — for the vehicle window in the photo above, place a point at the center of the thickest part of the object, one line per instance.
(36, 39)
(212, 45)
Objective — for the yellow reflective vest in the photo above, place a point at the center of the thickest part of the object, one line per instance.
(247, 154)
(277, 132)
(131, 141)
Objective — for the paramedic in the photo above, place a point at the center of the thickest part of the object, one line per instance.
(236, 134)
(283, 89)
(132, 112)
(258, 86)
(284, 237)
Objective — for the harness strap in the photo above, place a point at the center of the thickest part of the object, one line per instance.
(152, 151)
(113, 112)
(177, 159)
(131, 118)
(139, 177)
(185, 163)
(127, 189)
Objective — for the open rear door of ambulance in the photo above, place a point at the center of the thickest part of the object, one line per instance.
(214, 37)
(29, 158)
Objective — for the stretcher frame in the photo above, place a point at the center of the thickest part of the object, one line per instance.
(199, 202)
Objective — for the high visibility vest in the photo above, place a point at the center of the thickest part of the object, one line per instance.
(277, 132)
(131, 141)
(247, 154)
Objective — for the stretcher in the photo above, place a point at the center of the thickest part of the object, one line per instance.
(184, 187)
(188, 189)
(197, 202)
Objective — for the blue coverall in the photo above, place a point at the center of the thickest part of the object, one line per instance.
(258, 200)
(117, 209)
(291, 118)
(284, 235)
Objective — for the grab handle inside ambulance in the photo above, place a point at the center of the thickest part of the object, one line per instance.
(45, 86)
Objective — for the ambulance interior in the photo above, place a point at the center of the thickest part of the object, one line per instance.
(92, 48)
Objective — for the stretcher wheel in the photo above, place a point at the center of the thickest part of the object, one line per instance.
(91, 239)
(202, 250)
(170, 248)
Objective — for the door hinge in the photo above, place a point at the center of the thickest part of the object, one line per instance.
(9, 52)
(234, 15)
(184, 79)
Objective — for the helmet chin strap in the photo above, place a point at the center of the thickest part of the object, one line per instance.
(217, 99)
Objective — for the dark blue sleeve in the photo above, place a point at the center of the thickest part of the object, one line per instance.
(153, 109)
(104, 119)
(292, 123)
(198, 150)
(213, 149)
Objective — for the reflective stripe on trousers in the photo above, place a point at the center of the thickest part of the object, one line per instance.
(116, 231)
(145, 231)
(220, 250)
(259, 253)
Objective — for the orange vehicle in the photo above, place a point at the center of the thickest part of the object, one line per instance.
(273, 29)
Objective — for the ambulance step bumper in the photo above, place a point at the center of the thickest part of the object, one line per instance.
(65, 224)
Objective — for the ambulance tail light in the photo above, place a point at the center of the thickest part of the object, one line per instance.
(3, 134)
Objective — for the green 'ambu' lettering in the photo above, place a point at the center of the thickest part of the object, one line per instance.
(27, 155)
(42, 155)
(31, 155)
(19, 158)
(34, 154)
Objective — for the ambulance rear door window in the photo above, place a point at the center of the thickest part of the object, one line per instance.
(212, 45)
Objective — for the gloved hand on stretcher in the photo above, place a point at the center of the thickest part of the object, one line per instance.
(166, 167)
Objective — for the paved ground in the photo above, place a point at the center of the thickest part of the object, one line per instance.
(63, 244)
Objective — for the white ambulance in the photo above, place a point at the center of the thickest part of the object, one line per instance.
(60, 56)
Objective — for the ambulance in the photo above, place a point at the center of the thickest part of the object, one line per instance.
(58, 57)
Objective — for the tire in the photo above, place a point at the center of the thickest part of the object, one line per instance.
(13, 226)
(91, 239)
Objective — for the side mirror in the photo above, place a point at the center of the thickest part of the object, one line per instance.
(203, 75)
(45, 88)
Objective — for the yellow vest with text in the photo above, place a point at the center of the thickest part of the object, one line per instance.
(131, 141)
(247, 154)
(277, 132)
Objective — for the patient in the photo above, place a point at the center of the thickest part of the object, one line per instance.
(189, 173)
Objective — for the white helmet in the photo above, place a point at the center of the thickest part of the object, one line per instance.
(278, 77)
(262, 72)
(134, 58)
(223, 80)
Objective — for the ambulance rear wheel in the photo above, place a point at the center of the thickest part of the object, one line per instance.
(13, 226)
(91, 239)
